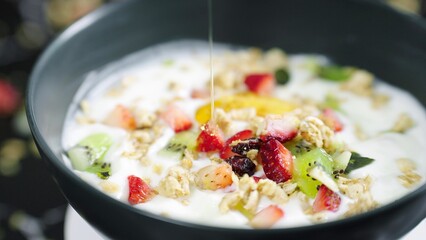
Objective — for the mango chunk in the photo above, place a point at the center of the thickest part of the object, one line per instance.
(264, 105)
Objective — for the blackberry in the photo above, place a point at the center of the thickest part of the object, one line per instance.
(241, 165)
(246, 145)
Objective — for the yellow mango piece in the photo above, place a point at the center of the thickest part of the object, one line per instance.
(264, 105)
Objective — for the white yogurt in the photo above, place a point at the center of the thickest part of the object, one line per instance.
(186, 63)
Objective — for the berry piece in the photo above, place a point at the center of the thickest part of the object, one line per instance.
(330, 119)
(9, 98)
(139, 191)
(261, 84)
(280, 128)
(176, 118)
(267, 217)
(326, 200)
(257, 179)
(214, 177)
(227, 152)
(277, 161)
(121, 116)
(245, 146)
(200, 93)
(210, 138)
(241, 165)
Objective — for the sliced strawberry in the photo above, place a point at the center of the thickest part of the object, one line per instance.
(200, 93)
(261, 84)
(214, 177)
(267, 217)
(121, 116)
(277, 161)
(226, 152)
(176, 118)
(330, 119)
(210, 138)
(139, 191)
(326, 200)
(281, 128)
(257, 179)
(9, 98)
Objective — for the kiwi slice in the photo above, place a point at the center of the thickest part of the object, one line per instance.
(341, 160)
(103, 170)
(298, 146)
(80, 157)
(179, 143)
(89, 153)
(307, 161)
(336, 73)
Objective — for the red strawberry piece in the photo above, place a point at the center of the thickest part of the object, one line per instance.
(330, 118)
(277, 161)
(326, 200)
(281, 128)
(226, 152)
(210, 138)
(9, 98)
(261, 84)
(213, 177)
(267, 217)
(176, 118)
(200, 93)
(257, 179)
(139, 191)
(121, 116)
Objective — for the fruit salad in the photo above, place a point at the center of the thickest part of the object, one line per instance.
(293, 139)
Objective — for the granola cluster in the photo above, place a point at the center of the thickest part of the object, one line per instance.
(234, 66)
(409, 177)
(248, 194)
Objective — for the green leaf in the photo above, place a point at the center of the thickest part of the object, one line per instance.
(357, 161)
(336, 73)
(282, 76)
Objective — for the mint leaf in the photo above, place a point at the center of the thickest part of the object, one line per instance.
(357, 161)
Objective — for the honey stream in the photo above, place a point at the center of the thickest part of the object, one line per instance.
(210, 27)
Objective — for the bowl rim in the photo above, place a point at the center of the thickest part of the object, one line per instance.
(51, 158)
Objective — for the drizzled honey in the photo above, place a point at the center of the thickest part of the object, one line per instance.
(210, 27)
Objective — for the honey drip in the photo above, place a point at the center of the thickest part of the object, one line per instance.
(210, 27)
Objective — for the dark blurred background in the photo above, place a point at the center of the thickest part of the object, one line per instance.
(31, 206)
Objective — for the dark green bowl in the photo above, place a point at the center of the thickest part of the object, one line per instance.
(362, 33)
